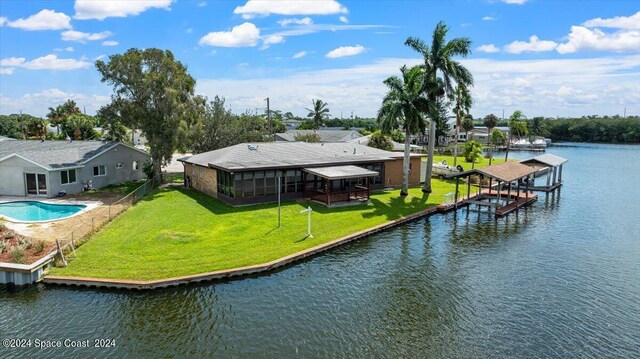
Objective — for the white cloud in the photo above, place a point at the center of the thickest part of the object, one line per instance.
(615, 80)
(298, 55)
(490, 48)
(515, 2)
(202, 4)
(83, 37)
(92, 9)
(244, 35)
(255, 8)
(343, 19)
(295, 21)
(189, 30)
(110, 43)
(44, 20)
(271, 40)
(489, 18)
(48, 62)
(313, 28)
(343, 51)
(3, 20)
(7, 70)
(534, 45)
(619, 22)
(69, 49)
(583, 39)
(37, 103)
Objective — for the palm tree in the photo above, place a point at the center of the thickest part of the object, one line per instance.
(404, 107)
(318, 113)
(438, 61)
(490, 121)
(467, 125)
(517, 124)
(462, 100)
(56, 117)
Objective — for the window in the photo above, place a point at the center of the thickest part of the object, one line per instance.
(135, 165)
(100, 170)
(118, 165)
(68, 176)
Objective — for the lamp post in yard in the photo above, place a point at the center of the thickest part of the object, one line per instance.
(308, 211)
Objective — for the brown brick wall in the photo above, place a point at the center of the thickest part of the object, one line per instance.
(393, 172)
(204, 179)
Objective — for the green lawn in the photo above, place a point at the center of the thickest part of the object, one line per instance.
(174, 232)
(481, 162)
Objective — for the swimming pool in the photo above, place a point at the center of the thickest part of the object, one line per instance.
(34, 211)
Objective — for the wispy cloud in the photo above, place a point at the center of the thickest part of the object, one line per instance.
(296, 21)
(83, 37)
(490, 48)
(344, 51)
(254, 8)
(298, 55)
(619, 22)
(489, 18)
(533, 45)
(48, 62)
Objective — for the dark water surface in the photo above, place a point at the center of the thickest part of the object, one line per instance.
(561, 279)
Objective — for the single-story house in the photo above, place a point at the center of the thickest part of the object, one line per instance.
(49, 168)
(248, 173)
(325, 135)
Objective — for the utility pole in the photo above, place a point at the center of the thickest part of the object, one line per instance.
(625, 113)
(279, 190)
(269, 116)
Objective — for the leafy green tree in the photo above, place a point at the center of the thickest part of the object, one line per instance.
(10, 127)
(379, 140)
(440, 68)
(153, 92)
(471, 151)
(60, 115)
(490, 121)
(467, 125)
(112, 123)
(461, 98)
(497, 137)
(307, 137)
(307, 125)
(404, 107)
(397, 136)
(318, 112)
(517, 126)
(80, 127)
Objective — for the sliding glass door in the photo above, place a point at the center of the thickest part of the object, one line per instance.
(36, 184)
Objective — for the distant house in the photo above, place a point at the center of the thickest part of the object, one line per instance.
(247, 173)
(47, 168)
(325, 135)
(479, 133)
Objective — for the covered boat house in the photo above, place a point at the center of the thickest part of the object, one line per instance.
(329, 173)
(503, 192)
(548, 165)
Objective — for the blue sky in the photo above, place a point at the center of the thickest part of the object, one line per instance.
(549, 58)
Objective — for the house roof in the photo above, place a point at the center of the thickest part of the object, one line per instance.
(340, 172)
(246, 156)
(548, 159)
(325, 135)
(53, 155)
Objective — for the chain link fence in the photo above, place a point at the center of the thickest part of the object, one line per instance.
(100, 217)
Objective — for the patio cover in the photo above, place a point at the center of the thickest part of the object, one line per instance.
(341, 172)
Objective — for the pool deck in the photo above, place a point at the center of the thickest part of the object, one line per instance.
(52, 229)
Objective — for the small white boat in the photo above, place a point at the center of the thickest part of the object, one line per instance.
(539, 143)
(443, 170)
(523, 142)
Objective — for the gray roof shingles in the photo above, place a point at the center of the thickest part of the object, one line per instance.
(246, 156)
(55, 154)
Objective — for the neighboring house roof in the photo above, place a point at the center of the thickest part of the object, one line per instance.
(325, 135)
(5, 138)
(397, 146)
(265, 155)
(548, 159)
(53, 155)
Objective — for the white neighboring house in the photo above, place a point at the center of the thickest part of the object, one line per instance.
(49, 168)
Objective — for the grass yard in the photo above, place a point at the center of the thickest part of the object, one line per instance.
(481, 162)
(175, 232)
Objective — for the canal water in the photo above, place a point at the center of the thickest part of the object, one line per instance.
(561, 279)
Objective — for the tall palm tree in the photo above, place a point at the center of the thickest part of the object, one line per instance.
(438, 62)
(467, 125)
(490, 121)
(404, 107)
(517, 124)
(319, 112)
(462, 100)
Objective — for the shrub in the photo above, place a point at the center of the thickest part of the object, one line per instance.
(9, 235)
(307, 137)
(3, 244)
(472, 150)
(148, 170)
(379, 140)
(39, 246)
(2, 226)
(17, 255)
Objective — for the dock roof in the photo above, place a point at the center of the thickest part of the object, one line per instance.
(505, 172)
(548, 159)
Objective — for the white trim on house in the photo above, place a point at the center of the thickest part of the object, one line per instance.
(25, 159)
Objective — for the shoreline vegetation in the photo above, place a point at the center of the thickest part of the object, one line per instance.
(176, 232)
